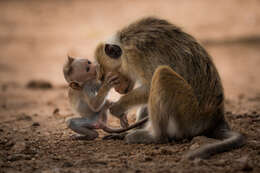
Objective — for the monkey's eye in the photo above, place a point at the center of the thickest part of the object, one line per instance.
(89, 62)
(113, 51)
(87, 69)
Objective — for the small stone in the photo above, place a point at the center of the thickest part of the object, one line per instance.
(245, 164)
(18, 147)
(4, 106)
(247, 168)
(67, 164)
(220, 162)
(198, 161)
(4, 87)
(9, 143)
(228, 112)
(56, 111)
(24, 117)
(166, 152)
(156, 147)
(16, 157)
(47, 171)
(39, 84)
(148, 159)
(138, 171)
(36, 124)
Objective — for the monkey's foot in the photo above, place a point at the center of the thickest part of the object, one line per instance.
(140, 137)
(120, 136)
(199, 153)
(82, 137)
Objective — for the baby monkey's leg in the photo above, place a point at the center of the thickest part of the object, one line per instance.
(78, 125)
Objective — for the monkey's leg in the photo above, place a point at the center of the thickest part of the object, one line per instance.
(78, 126)
(141, 113)
(171, 104)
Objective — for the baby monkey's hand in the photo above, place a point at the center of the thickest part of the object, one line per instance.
(75, 86)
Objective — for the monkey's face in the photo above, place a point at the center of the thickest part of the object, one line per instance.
(79, 70)
(109, 57)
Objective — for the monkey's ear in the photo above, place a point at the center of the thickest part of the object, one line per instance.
(113, 51)
(70, 59)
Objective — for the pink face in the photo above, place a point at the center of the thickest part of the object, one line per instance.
(82, 70)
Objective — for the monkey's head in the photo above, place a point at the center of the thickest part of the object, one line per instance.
(79, 70)
(110, 56)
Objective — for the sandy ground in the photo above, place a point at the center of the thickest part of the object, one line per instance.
(36, 36)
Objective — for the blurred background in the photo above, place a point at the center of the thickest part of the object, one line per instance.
(36, 36)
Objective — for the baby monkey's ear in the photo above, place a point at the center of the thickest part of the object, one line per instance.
(70, 59)
(100, 73)
(75, 86)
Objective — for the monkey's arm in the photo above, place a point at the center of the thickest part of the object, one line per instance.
(135, 97)
(96, 102)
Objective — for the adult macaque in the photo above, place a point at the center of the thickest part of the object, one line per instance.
(177, 81)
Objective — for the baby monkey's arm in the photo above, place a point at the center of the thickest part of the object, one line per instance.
(97, 101)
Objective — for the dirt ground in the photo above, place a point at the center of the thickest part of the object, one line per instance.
(36, 36)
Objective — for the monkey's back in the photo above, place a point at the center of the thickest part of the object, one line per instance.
(152, 42)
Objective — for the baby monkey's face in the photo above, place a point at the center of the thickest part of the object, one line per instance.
(79, 70)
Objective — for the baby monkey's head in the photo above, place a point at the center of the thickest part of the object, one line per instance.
(79, 70)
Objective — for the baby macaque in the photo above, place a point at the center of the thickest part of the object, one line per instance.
(87, 97)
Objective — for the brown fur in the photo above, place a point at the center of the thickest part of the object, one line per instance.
(179, 82)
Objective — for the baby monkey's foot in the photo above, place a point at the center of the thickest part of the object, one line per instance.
(78, 137)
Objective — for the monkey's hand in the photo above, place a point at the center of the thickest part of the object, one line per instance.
(111, 80)
(124, 86)
(75, 86)
(123, 119)
(117, 110)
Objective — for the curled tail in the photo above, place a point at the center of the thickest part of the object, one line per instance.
(230, 140)
(107, 129)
